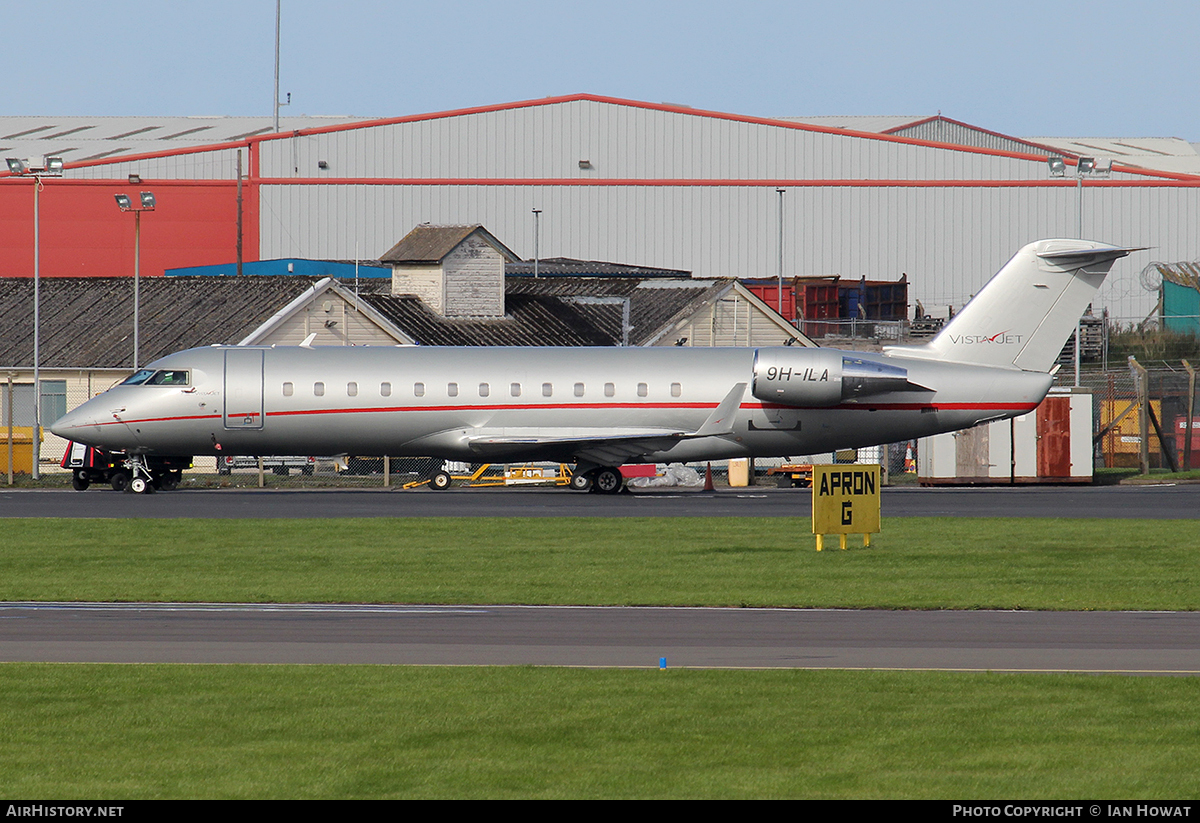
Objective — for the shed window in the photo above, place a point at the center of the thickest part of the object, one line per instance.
(319, 389)
(288, 389)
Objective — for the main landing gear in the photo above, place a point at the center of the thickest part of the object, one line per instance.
(600, 479)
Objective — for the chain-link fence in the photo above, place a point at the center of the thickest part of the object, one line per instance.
(1117, 417)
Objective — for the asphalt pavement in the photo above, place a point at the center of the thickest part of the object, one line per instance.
(1152, 502)
(1014, 641)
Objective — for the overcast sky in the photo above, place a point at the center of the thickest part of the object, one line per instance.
(1022, 67)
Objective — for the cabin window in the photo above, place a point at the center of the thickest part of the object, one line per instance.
(676, 390)
(643, 390)
(319, 389)
(547, 390)
(385, 389)
(609, 390)
(515, 389)
(484, 390)
(452, 389)
(579, 390)
(288, 389)
(419, 389)
(352, 389)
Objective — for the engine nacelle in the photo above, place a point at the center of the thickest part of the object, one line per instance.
(823, 377)
(798, 376)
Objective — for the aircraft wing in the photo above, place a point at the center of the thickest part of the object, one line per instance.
(607, 448)
(604, 446)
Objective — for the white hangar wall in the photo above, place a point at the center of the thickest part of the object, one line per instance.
(676, 188)
(949, 241)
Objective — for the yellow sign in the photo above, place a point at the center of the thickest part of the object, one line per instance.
(845, 500)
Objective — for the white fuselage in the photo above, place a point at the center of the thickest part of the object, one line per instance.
(562, 404)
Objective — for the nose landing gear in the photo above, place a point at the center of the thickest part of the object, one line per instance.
(141, 480)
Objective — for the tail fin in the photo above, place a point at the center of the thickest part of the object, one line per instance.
(1025, 314)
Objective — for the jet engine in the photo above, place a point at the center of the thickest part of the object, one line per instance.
(823, 377)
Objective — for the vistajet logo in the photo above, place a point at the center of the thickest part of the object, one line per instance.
(1003, 338)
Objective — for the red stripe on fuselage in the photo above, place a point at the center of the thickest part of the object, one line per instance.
(1010, 407)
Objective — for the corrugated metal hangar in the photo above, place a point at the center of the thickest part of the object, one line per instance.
(617, 180)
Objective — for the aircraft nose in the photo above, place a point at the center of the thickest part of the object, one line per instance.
(70, 424)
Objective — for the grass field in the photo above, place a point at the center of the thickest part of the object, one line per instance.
(127, 732)
(958, 563)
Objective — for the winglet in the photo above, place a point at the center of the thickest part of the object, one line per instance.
(720, 422)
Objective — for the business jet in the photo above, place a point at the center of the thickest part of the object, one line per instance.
(599, 408)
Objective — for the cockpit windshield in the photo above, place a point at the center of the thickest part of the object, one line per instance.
(138, 378)
(162, 377)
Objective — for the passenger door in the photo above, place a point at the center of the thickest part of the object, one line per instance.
(243, 389)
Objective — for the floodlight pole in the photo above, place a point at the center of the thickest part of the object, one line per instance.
(137, 278)
(537, 224)
(779, 293)
(35, 469)
(1083, 165)
(51, 167)
(276, 66)
(146, 199)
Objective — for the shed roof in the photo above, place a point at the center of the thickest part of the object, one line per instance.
(556, 311)
(428, 243)
(87, 322)
(567, 266)
(82, 138)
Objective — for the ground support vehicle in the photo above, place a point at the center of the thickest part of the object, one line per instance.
(90, 465)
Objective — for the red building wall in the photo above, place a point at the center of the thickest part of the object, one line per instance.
(84, 233)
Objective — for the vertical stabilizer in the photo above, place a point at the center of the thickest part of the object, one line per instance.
(1026, 313)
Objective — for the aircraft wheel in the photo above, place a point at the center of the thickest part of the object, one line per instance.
(138, 485)
(119, 481)
(79, 481)
(608, 481)
(581, 482)
(440, 481)
(168, 482)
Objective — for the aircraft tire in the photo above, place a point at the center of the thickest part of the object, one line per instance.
(608, 480)
(138, 485)
(79, 481)
(168, 482)
(119, 481)
(581, 482)
(440, 481)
